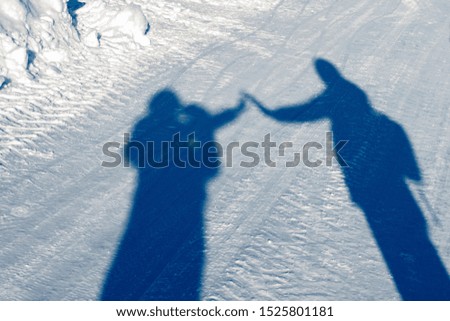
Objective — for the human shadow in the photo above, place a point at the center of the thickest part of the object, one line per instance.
(161, 254)
(379, 159)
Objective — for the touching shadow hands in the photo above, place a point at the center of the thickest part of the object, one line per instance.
(251, 99)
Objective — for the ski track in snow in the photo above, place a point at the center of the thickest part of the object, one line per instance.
(272, 233)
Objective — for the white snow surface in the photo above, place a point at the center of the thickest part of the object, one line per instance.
(38, 35)
(123, 21)
(271, 233)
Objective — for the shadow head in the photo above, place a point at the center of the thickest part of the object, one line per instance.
(327, 71)
(164, 103)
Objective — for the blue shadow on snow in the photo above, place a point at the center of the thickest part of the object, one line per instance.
(72, 7)
(380, 158)
(161, 254)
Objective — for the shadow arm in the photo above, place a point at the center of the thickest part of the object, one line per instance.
(228, 115)
(312, 110)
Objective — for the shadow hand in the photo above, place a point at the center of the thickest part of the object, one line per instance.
(254, 101)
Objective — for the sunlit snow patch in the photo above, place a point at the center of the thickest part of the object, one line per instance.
(119, 23)
(34, 34)
(38, 36)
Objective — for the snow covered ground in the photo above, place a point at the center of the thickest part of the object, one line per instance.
(72, 80)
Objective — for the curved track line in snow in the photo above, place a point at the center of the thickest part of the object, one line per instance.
(271, 233)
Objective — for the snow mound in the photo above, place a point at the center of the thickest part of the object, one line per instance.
(38, 36)
(115, 22)
(34, 34)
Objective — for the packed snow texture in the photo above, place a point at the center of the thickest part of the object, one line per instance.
(39, 36)
(121, 23)
(72, 81)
